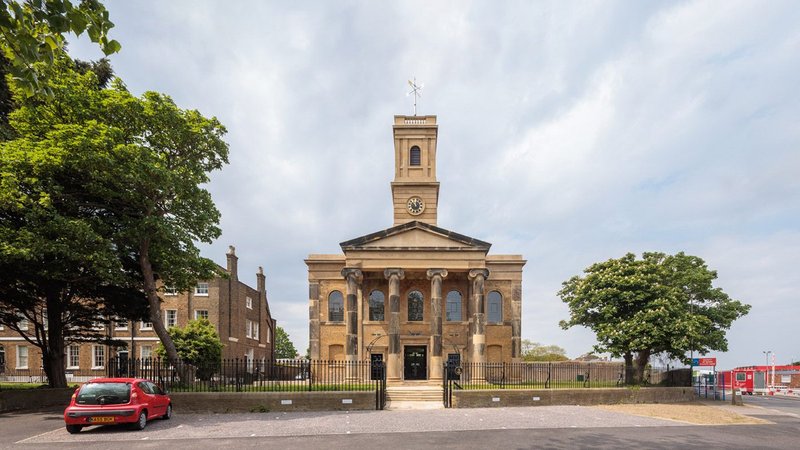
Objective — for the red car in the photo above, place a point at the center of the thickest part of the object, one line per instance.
(108, 401)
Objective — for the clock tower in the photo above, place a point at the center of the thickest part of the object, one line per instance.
(415, 191)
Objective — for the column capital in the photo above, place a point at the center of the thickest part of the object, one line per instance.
(388, 273)
(353, 273)
(437, 272)
(475, 273)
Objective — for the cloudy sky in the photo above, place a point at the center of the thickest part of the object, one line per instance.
(570, 132)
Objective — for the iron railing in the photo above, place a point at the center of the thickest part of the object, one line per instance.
(243, 375)
(554, 375)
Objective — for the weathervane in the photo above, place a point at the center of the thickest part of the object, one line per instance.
(415, 89)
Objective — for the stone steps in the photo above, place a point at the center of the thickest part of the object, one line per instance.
(414, 397)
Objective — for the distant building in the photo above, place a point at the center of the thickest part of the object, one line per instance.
(239, 312)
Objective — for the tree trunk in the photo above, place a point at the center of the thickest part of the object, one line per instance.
(54, 349)
(154, 301)
(629, 375)
(642, 358)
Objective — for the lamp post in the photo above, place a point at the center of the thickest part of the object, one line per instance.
(766, 368)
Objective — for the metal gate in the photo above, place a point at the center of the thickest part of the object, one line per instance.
(452, 375)
(378, 374)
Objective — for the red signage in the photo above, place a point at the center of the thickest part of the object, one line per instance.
(704, 362)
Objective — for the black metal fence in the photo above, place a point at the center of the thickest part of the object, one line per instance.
(247, 375)
(554, 375)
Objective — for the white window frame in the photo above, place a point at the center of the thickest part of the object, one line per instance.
(23, 321)
(255, 330)
(249, 302)
(248, 328)
(20, 349)
(118, 326)
(142, 351)
(199, 288)
(98, 356)
(167, 321)
(198, 316)
(269, 334)
(73, 351)
(145, 325)
(171, 291)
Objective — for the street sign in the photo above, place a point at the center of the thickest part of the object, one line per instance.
(704, 362)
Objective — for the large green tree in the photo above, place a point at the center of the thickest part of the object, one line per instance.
(284, 348)
(129, 170)
(59, 266)
(32, 32)
(659, 303)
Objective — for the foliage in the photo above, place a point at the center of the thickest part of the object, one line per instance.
(284, 348)
(33, 32)
(660, 303)
(101, 190)
(59, 265)
(534, 351)
(197, 344)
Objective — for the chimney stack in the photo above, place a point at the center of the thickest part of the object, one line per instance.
(260, 284)
(233, 268)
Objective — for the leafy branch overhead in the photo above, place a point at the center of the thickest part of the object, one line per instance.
(32, 32)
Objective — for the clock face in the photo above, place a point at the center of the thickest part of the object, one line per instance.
(415, 206)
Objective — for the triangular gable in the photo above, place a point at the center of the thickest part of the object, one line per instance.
(415, 235)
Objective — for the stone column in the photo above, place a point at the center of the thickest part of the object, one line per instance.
(313, 320)
(516, 324)
(436, 276)
(354, 278)
(393, 360)
(477, 328)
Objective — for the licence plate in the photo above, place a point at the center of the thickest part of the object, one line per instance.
(101, 419)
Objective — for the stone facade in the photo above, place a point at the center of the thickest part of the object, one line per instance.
(239, 312)
(415, 295)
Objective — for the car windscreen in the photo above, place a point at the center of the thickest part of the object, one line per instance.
(104, 394)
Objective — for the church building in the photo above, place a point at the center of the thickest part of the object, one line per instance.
(415, 295)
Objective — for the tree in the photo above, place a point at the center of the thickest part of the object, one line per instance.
(33, 32)
(197, 344)
(126, 172)
(284, 348)
(59, 267)
(534, 351)
(660, 303)
(152, 192)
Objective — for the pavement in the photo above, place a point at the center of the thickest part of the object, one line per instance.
(523, 427)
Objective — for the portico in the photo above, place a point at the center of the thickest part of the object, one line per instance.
(415, 295)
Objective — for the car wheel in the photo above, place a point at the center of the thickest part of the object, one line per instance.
(73, 429)
(168, 414)
(142, 422)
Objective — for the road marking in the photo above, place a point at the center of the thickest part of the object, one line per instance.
(33, 437)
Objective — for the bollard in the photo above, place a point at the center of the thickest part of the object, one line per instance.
(736, 397)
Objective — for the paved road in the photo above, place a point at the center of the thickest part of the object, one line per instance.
(788, 405)
(541, 427)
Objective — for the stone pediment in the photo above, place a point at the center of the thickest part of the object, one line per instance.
(415, 236)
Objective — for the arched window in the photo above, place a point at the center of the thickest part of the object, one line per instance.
(335, 307)
(376, 301)
(453, 306)
(414, 157)
(416, 306)
(495, 307)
